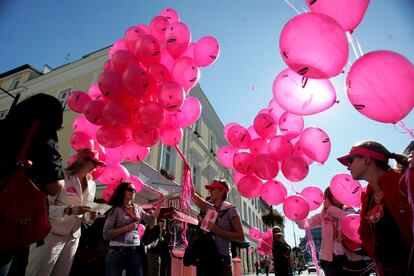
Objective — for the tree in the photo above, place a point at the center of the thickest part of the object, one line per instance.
(273, 218)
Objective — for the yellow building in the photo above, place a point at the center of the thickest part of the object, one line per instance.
(200, 142)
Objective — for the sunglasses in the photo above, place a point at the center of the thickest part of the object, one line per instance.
(352, 158)
(132, 190)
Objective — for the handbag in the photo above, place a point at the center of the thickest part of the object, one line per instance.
(23, 211)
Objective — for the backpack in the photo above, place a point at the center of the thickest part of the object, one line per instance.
(23, 211)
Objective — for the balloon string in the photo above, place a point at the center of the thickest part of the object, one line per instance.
(312, 247)
(293, 7)
(409, 131)
(361, 53)
(350, 41)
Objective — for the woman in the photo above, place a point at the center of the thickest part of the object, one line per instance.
(121, 228)
(227, 227)
(67, 211)
(281, 253)
(386, 216)
(335, 258)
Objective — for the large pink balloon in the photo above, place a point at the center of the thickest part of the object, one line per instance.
(82, 124)
(117, 46)
(347, 13)
(225, 156)
(132, 152)
(94, 92)
(141, 230)
(265, 125)
(151, 114)
(108, 192)
(93, 111)
(350, 226)
(171, 96)
(273, 192)
(226, 130)
(158, 26)
(280, 147)
(345, 189)
(275, 110)
(314, 45)
(265, 167)
(252, 132)
(116, 114)
(114, 174)
(239, 137)
(137, 182)
(177, 37)
(296, 207)
(250, 186)
(110, 136)
(186, 72)
(144, 136)
(295, 168)
(258, 146)
(315, 143)
(297, 150)
(110, 85)
(206, 51)
(135, 81)
(303, 96)
(148, 50)
(121, 60)
(171, 135)
(291, 125)
(171, 15)
(314, 196)
(81, 140)
(113, 155)
(131, 35)
(77, 101)
(243, 162)
(255, 233)
(237, 176)
(158, 74)
(380, 85)
(189, 113)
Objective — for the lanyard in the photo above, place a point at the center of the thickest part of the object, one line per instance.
(130, 212)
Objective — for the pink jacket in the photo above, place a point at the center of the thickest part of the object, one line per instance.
(324, 220)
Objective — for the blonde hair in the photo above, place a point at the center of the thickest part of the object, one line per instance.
(77, 165)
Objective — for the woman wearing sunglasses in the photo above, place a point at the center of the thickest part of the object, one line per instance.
(121, 228)
(66, 213)
(386, 215)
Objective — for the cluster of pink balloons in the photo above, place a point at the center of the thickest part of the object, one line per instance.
(142, 95)
(264, 240)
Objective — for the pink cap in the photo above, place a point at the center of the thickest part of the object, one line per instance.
(364, 152)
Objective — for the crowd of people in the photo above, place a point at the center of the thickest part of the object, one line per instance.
(385, 230)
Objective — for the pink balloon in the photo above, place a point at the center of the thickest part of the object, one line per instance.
(141, 230)
(225, 156)
(255, 233)
(151, 114)
(265, 167)
(190, 50)
(132, 152)
(116, 114)
(250, 186)
(291, 125)
(121, 60)
(347, 190)
(372, 83)
(97, 172)
(77, 101)
(206, 51)
(158, 26)
(81, 140)
(108, 192)
(110, 136)
(171, 135)
(117, 46)
(110, 84)
(107, 67)
(100, 149)
(315, 143)
(135, 81)
(275, 110)
(114, 174)
(131, 35)
(265, 125)
(273, 192)
(243, 162)
(258, 146)
(158, 74)
(186, 72)
(171, 96)
(94, 92)
(297, 150)
(239, 137)
(280, 148)
(314, 196)
(189, 113)
(82, 124)
(226, 130)
(93, 111)
(347, 13)
(171, 15)
(146, 137)
(167, 60)
(303, 96)
(137, 182)
(296, 207)
(113, 156)
(314, 45)
(237, 176)
(295, 168)
(252, 132)
(177, 37)
(350, 226)
(147, 50)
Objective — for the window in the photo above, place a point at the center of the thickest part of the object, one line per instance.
(3, 113)
(212, 143)
(195, 177)
(62, 97)
(166, 157)
(15, 83)
(245, 216)
(197, 126)
(250, 216)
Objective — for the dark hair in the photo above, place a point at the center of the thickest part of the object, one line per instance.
(401, 159)
(224, 182)
(117, 198)
(40, 107)
(276, 230)
(327, 194)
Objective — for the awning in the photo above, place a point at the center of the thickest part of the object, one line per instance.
(174, 214)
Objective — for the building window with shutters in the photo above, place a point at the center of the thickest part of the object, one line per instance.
(212, 143)
(15, 83)
(63, 96)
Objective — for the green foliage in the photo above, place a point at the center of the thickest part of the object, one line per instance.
(273, 218)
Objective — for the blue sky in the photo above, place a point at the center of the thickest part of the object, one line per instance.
(48, 31)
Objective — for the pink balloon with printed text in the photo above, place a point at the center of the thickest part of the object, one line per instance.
(137, 182)
(77, 101)
(132, 152)
(158, 26)
(135, 81)
(295, 168)
(170, 134)
(226, 130)
(273, 192)
(113, 156)
(303, 96)
(315, 143)
(108, 192)
(114, 174)
(158, 74)
(144, 136)
(314, 196)
(296, 207)
(350, 226)
(291, 125)
(171, 96)
(265, 167)
(121, 60)
(116, 114)
(151, 114)
(239, 137)
(258, 146)
(93, 111)
(131, 35)
(249, 186)
(117, 46)
(81, 140)
(94, 92)
(255, 233)
(345, 189)
(148, 50)
(265, 125)
(225, 156)
(280, 147)
(186, 72)
(110, 85)
(177, 38)
(206, 51)
(243, 162)
(372, 83)
(189, 113)
(171, 15)
(314, 45)
(82, 124)
(110, 136)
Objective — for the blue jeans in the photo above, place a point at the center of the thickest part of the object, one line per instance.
(128, 258)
